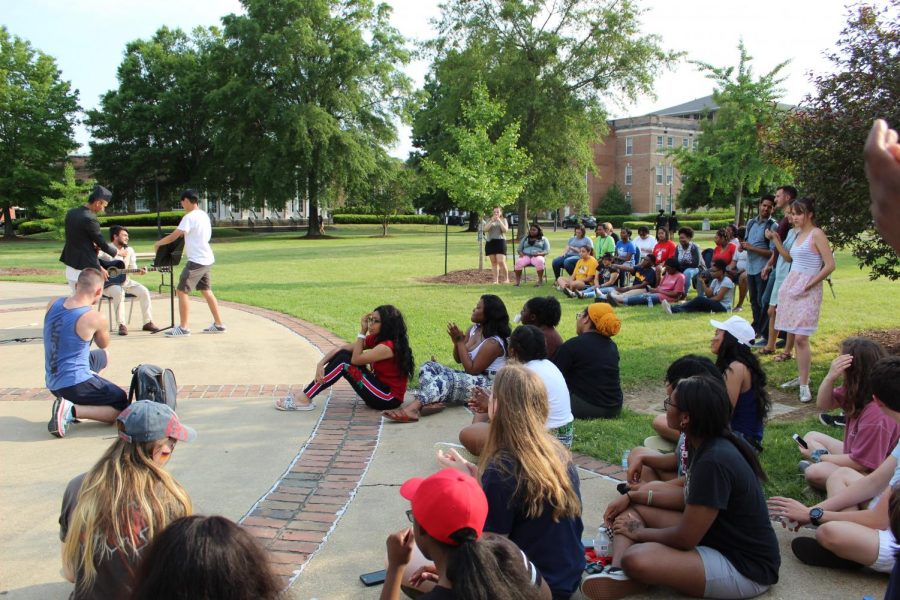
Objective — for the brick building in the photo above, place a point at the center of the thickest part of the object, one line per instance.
(634, 155)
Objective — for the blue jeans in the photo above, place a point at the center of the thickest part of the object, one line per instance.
(699, 304)
(564, 262)
(641, 299)
(591, 291)
(756, 287)
(689, 275)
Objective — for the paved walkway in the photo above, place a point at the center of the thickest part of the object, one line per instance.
(318, 489)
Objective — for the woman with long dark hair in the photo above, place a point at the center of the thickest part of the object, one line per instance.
(481, 351)
(382, 350)
(205, 558)
(712, 539)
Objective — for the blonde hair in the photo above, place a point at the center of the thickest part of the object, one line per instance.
(517, 431)
(125, 492)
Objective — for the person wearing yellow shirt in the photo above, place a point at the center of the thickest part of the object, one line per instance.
(582, 276)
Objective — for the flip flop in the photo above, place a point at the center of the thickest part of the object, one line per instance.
(431, 409)
(399, 416)
(765, 351)
(783, 357)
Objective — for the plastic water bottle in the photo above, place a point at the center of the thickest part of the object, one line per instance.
(603, 546)
(625, 460)
(650, 301)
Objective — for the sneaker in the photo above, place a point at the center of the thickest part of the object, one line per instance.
(803, 465)
(601, 297)
(832, 420)
(761, 343)
(178, 330)
(610, 584)
(811, 552)
(780, 344)
(667, 306)
(805, 394)
(795, 382)
(568, 292)
(288, 403)
(215, 329)
(60, 417)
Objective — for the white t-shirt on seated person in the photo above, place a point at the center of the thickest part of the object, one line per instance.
(715, 285)
(557, 392)
(197, 231)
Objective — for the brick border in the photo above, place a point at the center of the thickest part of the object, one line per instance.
(295, 517)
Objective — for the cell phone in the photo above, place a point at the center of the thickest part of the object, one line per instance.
(800, 441)
(373, 578)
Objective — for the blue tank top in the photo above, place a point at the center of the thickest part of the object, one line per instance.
(66, 356)
(744, 418)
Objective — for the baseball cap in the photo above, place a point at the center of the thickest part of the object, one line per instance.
(148, 421)
(446, 502)
(738, 327)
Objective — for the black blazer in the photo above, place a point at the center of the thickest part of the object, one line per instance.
(82, 232)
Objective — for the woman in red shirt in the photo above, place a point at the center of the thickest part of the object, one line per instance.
(663, 250)
(382, 350)
(724, 250)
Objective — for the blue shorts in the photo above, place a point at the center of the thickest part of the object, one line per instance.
(95, 391)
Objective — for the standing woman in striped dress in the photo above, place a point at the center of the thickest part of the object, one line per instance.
(800, 296)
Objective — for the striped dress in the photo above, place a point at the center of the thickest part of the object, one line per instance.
(798, 310)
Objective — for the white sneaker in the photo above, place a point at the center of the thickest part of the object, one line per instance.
(288, 403)
(176, 331)
(667, 306)
(795, 382)
(610, 584)
(805, 394)
(215, 329)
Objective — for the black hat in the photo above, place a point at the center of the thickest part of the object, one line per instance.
(100, 193)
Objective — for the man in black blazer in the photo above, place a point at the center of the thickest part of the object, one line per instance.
(83, 237)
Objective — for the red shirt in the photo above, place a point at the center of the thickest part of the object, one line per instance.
(388, 370)
(726, 253)
(663, 251)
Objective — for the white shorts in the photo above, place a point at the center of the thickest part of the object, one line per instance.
(72, 276)
(887, 546)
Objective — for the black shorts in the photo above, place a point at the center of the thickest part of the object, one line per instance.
(96, 391)
(495, 247)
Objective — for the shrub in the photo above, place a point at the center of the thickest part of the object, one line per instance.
(32, 227)
(167, 218)
(357, 219)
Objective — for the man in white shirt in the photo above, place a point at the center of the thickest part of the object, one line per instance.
(196, 229)
(116, 292)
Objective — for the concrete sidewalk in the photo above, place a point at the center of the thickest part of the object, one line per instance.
(320, 490)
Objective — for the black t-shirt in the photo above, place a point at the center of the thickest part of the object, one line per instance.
(590, 365)
(718, 476)
(554, 548)
(115, 567)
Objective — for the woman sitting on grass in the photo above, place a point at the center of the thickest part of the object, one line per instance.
(378, 364)
(605, 279)
(671, 289)
(531, 485)
(713, 539)
(870, 435)
(544, 312)
(582, 276)
(481, 351)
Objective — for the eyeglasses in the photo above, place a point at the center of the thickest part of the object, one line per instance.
(581, 314)
(409, 515)
(669, 402)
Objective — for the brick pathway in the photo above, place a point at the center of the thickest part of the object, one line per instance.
(294, 518)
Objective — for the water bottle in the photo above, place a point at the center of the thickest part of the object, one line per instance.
(649, 300)
(625, 460)
(603, 546)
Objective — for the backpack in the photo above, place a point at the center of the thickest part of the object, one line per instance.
(149, 382)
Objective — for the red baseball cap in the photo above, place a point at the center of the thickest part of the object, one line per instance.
(446, 502)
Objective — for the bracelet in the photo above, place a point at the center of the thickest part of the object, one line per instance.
(360, 336)
(649, 497)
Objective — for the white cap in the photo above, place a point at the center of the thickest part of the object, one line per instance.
(738, 327)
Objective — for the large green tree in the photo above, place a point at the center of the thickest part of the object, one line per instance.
(307, 97)
(823, 140)
(37, 116)
(154, 130)
(553, 65)
(67, 194)
(730, 150)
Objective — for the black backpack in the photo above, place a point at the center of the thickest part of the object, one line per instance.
(149, 382)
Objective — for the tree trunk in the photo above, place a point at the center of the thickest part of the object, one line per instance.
(384, 226)
(8, 231)
(474, 220)
(480, 245)
(737, 205)
(313, 227)
(522, 227)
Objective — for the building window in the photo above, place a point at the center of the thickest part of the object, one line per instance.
(659, 175)
(670, 141)
(214, 207)
(695, 145)
(686, 143)
(659, 144)
(628, 198)
(628, 175)
(670, 174)
(629, 146)
(658, 200)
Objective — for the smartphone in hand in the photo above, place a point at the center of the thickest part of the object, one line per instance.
(796, 437)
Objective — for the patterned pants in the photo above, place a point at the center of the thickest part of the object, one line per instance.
(438, 383)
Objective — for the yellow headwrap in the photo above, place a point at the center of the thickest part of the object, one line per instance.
(604, 318)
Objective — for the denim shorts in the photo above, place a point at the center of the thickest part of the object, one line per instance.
(723, 580)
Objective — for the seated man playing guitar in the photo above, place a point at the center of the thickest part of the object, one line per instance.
(119, 283)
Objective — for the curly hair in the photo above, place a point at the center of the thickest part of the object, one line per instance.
(496, 319)
(546, 311)
(731, 350)
(393, 328)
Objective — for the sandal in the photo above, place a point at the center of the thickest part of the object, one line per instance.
(399, 416)
(783, 357)
(288, 403)
(765, 351)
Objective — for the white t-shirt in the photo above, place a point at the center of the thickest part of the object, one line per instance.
(645, 245)
(740, 258)
(197, 231)
(557, 392)
(727, 283)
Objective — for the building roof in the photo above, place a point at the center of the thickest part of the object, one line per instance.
(697, 105)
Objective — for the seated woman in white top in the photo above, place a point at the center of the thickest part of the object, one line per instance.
(526, 345)
(481, 351)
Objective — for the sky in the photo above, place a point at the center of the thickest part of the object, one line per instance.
(88, 37)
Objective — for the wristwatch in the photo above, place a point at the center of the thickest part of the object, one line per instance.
(815, 514)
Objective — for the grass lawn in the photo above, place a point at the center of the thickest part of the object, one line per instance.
(332, 282)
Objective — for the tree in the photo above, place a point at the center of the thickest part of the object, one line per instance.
(307, 96)
(823, 140)
(614, 202)
(392, 187)
(553, 65)
(37, 116)
(154, 130)
(730, 150)
(67, 194)
(482, 173)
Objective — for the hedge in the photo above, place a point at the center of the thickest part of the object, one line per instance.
(695, 225)
(142, 219)
(32, 227)
(620, 220)
(351, 219)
